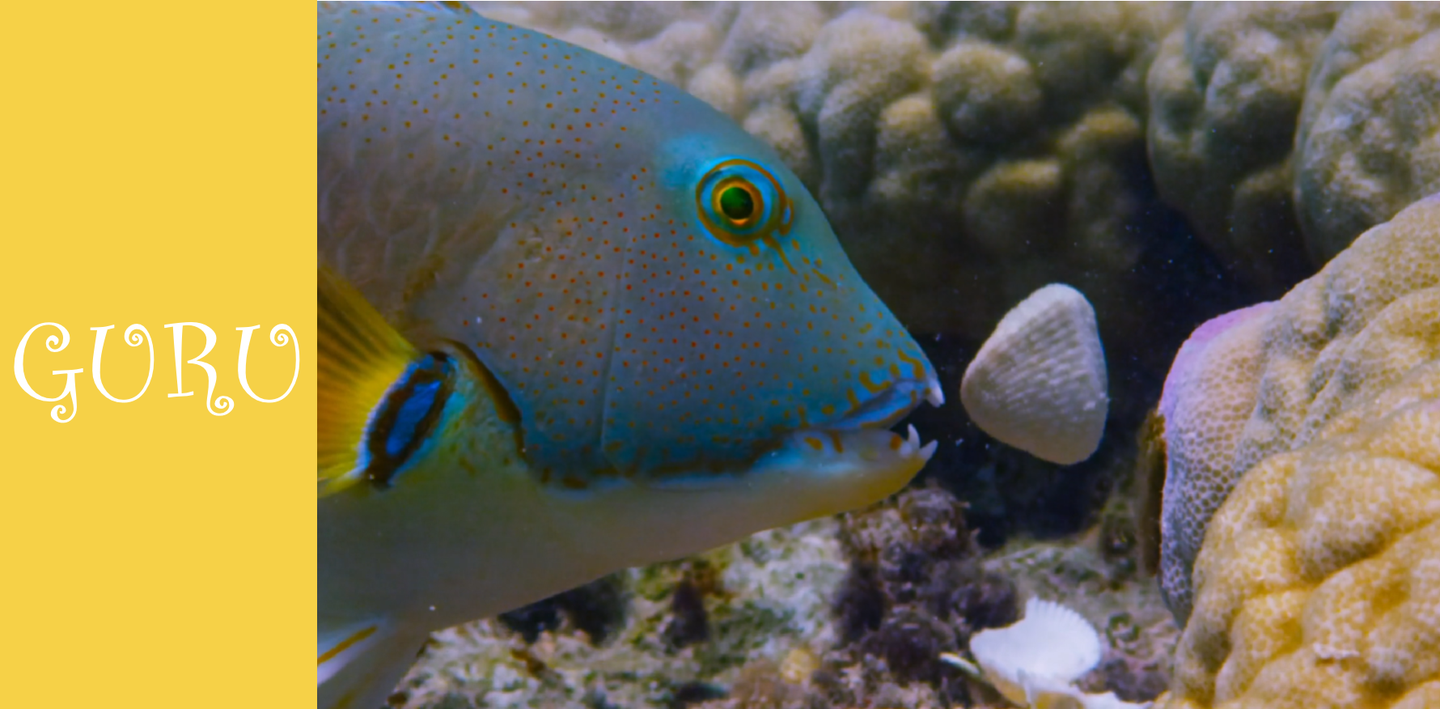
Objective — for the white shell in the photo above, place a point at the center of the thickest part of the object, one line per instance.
(1039, 383)
(1050, 648)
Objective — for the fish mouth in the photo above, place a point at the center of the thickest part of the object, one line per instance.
(861, 435)
(859, 448)
(891, 404)
(836, 466)
(817, 472)
(857, 452)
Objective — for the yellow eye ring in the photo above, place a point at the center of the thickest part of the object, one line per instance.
(739, 202)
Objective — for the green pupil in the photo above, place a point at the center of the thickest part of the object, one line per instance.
(736, 203)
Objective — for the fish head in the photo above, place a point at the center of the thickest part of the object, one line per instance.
(657, 293)
(730, 326)
(746, 323)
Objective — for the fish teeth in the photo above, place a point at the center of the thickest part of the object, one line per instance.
(934, 395)
(912, 442)
(912, 445)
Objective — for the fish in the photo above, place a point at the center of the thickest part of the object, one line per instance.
(571, 320)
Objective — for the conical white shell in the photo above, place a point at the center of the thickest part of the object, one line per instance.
(1050, 648)
(1038, 383)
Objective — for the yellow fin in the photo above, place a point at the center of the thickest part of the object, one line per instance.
(360, 357)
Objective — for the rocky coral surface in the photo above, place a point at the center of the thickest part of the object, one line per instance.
(1208, 397)
(1314, 584)
(1267, 379)
(682, 632)
(848, 611)
(1369, 135)
(1225, 97)
(916, 587)
(1126, 609)
(1319, 583)
(1284, 130)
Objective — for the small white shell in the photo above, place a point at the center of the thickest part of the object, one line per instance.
(1038, 383)
(1050, 648)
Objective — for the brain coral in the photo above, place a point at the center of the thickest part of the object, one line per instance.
(1283, 130)
(1318, 584)
(1369, 136)
(1225, 95)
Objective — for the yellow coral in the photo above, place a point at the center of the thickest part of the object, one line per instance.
(1318, 584)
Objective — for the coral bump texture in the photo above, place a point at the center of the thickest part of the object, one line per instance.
(1318, 582)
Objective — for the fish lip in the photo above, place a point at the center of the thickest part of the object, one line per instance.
(892, 404)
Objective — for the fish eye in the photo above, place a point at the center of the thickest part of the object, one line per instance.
(737, 203)
(740, 201)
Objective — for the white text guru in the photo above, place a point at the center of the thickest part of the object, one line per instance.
(280, 335)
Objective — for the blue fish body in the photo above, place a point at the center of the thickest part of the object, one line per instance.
(648, 338)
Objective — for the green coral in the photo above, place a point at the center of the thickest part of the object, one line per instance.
(1369, 135)
(1284, 130)
(1225, 96)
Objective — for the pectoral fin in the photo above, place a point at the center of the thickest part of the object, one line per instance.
(361, 662)
(360, 358)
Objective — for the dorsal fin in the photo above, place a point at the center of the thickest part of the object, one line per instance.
(360, 357)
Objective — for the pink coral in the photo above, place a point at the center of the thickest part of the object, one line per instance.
(1318, 417)
(1208, 396)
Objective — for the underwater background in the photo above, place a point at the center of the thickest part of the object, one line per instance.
(1171, 162)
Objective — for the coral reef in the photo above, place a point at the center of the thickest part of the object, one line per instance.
(1369, 135)
(916, 588)
(596, 609)
(968, 154)
(1315, 585)
(842, 612)
(1265, 379)
(1319, 583)
(1129, 612)
(919, 586)
(759, 602)
(1208, 397)
(1225, 97)
(1284, 130)
(1002, 144)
